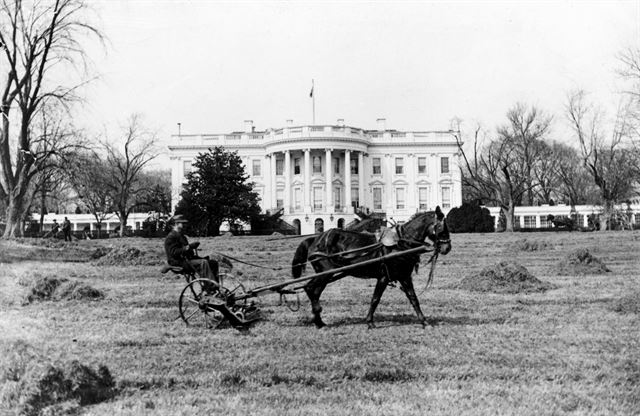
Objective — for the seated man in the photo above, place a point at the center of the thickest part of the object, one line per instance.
(181, 253)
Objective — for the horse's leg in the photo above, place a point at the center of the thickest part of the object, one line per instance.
(381, 285)
(314, 290)
(407, 285)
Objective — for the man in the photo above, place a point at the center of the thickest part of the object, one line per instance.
(181, 253)
(55, 228)
(66, 229)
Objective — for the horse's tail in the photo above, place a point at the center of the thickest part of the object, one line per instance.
(300, 258)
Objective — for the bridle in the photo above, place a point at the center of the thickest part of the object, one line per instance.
(431, 230)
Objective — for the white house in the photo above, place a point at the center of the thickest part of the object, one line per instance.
(320, 175)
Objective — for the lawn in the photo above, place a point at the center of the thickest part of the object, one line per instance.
(573, 349)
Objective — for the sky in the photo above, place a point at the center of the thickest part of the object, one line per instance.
(211, 65)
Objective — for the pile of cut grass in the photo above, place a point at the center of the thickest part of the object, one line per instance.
(42, 288)
(125, 256)
(32, 385)
(580, 262)
(504, 277)
(530, 245)
(628, 304)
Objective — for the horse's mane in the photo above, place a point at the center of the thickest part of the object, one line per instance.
(419, 213)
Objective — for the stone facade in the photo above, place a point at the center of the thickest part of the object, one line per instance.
(320, 175)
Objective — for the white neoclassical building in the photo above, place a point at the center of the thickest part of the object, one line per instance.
(322, 175)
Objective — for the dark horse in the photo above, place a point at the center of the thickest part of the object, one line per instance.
(356, 247)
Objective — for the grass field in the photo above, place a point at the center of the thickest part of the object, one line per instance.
(571, 350)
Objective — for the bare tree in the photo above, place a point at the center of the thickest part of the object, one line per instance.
(36, 37)
(126, 166)
(612, 163)
(502, 172)
(89, 176)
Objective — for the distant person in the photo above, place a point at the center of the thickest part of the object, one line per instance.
(182, 254)
(66, 229)
(87, 232)
(55, 229)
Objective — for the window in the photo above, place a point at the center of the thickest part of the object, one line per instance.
(516, 221)
(444, 165)
(280, 198)
(186, 167)
(580, 219)
(400, 198)
(257, 164)
(446, 197)
(297, 197)
(336, 165)
(544, 223)
(529, 221)
(422, 165)
(336, 198)
(317, 164)
(376, 166)
(423, 198)
(377, 198)
(399, 166)
(354, 166)
(296, 166)
(355, 197)
(317, 198)
(279, 167)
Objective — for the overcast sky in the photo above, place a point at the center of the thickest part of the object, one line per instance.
(210, 65)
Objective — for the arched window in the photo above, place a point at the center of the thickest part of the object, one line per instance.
(341, 223)
(296, 224)
(319, 225)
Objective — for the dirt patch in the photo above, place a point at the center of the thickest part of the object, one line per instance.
(581, 262)
(50, 288)
(32, 385)
(126, 256)
(504, 277)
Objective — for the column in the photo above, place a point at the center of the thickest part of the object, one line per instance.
(307, 181)
(388, 186)
(287, 182)
(266, 177)
(347, 181)
(274, 183)
(329, 181)
(412, 190)
(361, 184)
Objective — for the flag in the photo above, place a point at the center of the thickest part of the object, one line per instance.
(311, 93)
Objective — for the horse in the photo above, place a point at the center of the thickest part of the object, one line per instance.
(337, 248)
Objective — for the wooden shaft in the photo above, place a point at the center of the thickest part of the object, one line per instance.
(274, 287)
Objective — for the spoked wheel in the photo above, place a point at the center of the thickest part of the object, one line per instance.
(195, 304)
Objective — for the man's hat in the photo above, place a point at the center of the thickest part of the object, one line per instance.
(179, 218)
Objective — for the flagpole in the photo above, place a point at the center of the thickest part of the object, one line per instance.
(313, 97)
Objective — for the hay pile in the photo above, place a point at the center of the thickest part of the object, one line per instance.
(504, 277)
(530, 245)
(31, 385)
(50, 288)
(581, 262)
(125, 256)
(628, 304)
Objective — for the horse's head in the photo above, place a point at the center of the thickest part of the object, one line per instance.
(429, 225)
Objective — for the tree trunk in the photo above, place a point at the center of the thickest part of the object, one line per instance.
(509, 214)
(213, 228)
(607, 213)
(14, 216)
(123, 222)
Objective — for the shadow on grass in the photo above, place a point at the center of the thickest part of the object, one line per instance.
(382, 321)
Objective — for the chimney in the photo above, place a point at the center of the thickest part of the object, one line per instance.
(289, 122)
(341, 122)
(382, 124)
(248, 126)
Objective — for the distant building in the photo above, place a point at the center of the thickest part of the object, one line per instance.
(321, 176)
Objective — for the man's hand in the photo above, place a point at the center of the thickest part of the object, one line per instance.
(194, 245)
